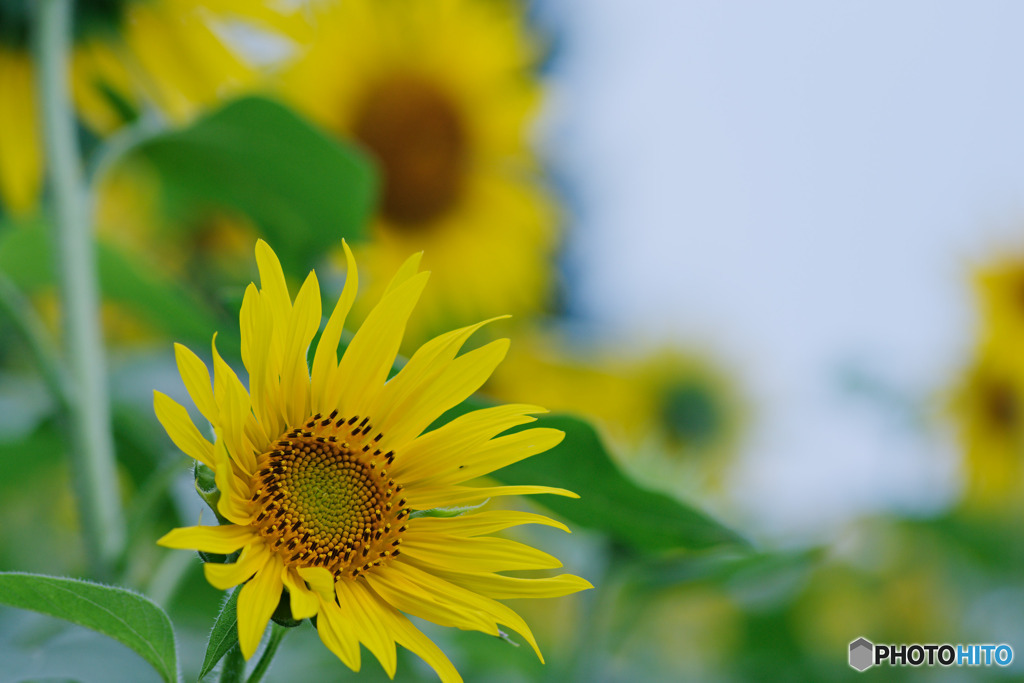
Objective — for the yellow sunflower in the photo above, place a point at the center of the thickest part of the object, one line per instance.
(999, 290)
(988, 407)
(129, 55)
(321, 474)
(441, 93)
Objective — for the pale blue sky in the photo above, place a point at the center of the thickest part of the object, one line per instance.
(802, 186)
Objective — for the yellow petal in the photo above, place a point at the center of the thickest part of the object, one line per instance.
(304, 601)
(197, 381)
(405, 390)
(272, 282)
(320, 580)
(234, 493)
(509, 587)
(454, 438)
(497, 453)
(368, 359)
(403, 594)
(225, 576)
(337, 633)
(363, 610)
(410, 267)
(224, 539)
(257, 602)
(475, 554)
(430, 588)
(179, 427)
(413, 639)
(460, 379)
(427, 497)
(235, 412)
(480, 523)
(325, 361)
(301, 327)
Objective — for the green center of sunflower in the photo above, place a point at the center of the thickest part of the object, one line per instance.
(691, 414)
(325, 499)
(417, 134)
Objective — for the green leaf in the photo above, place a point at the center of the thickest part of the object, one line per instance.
(224, 635)
(304, 189)
(637, 518)
(123, 615)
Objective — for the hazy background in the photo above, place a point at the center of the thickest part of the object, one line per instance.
(804, 187)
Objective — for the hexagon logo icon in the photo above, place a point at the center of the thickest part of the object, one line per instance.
(862, 654)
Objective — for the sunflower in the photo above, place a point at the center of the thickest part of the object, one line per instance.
(129, 55)
(999, 289)
(988, 408)
(321, 475)
(440, 93)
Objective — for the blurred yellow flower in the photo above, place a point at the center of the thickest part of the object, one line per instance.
(441, 93)
(676, 417)
(319, 471)
(128, 56)
(999, 289)
(988, 407)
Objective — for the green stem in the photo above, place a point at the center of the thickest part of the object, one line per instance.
(276, 634)
(232, 670)
(92, 454)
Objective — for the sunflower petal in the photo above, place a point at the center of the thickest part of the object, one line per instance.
(235, 412)
(179, 426)
(368, 359)
(454, 438)
(476, 554)
(225, 576)
(428, 497)
(257, 602)
(304, 602)
(497, 453)
(430, 587)
(480, 523)
(272, 282)
(325, 360)
(413, 639)
(302, 326)
(224, 539)
(338, 634)
(509, 587)
(197, 381)
(362, 609)
(461, 378)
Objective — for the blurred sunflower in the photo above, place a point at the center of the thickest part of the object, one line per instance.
(988, 408)
(319, 473)
(676, 416)
(129, 55)
(441, 93)
(999, 289)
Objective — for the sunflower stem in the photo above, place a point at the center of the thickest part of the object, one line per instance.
(233, 668)
(92, 454)
(276, 635)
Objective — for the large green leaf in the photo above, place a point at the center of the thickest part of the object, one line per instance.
(303, 189)
(121, 614)
(640, 519)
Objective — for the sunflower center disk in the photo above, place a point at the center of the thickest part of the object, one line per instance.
(324, 499)
(417, 134)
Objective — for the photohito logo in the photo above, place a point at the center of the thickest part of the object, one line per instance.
(865, 654)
